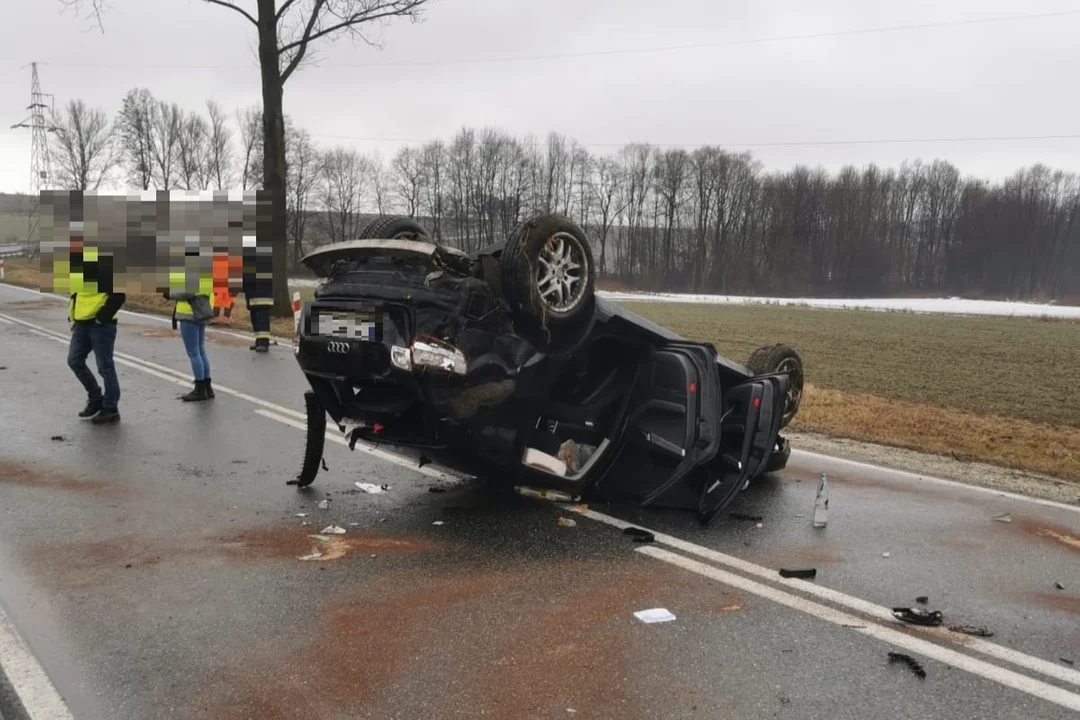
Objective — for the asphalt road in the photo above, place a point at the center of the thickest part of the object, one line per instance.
(151, 569)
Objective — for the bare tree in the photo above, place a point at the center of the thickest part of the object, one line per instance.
(305, 171)
(344, 186)
(193, 151)
(83, 148)
(133, 126)
(251, 157)
(407, 179)
(380, 183)
(287, 31)
(219, 160)
(165, 128)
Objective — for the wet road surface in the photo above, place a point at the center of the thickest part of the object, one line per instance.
(152, 568)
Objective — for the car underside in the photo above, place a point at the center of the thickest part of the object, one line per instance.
(505, 365)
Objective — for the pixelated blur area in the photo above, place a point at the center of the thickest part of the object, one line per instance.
(154, 241)
(364, 325)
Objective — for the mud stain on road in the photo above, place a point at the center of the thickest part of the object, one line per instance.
(291, 543)
(1060, 536)
(211, 336)
(463, 639)
(805, 555)
(26, 475)
(1056, 600)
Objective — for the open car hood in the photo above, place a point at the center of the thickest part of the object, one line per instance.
(322, 261)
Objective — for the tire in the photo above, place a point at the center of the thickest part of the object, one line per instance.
(549, 281)
(314, 443)
(769, 359)
(393, 227)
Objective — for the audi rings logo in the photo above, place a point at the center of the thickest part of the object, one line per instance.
(338, 346)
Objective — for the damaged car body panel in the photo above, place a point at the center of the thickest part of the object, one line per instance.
(505, 365)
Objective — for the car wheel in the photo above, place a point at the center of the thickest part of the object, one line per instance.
(394, 227)
(549, 279)
(781, 358)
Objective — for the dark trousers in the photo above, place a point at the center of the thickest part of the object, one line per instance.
(260, 321)
(87, 337)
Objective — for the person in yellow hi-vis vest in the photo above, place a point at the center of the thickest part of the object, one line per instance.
(92, 318)
(193, 312)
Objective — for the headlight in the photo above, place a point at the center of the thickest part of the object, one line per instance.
(401, 357)
(430, 352)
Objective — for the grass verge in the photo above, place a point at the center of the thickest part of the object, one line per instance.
(1004, 391)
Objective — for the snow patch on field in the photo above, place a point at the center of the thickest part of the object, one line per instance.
(952, 306)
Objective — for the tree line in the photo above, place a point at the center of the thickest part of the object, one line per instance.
(702, 220)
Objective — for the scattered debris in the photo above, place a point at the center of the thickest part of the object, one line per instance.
(821, 503)
(437, 522)
(321, 538)
(748, 518)
(885, 554)
(333, 530)
(639, 535)
(313, 555)
(855, 627)
(1067, 661)
(323, 461)
(802, 573)
(567, 522)
(655, 615)
(554, 495)
(372, 489)
(300, 515)
(436, 489)
(354, 524)
(304, 523)
(58, 438)
(579, 509)
(910, 662)
(759, 526)
(971, 630)
(923, 599)
(1059, 586)
(1004, 518)
(575, 456)
(324, 504)
(918, 616)
(129, 564)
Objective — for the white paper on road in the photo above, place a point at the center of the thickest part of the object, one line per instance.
(655, 615)
(333, 530)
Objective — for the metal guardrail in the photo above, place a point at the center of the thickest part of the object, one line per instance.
(14, 250)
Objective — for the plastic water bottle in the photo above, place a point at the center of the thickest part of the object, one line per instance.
(821, 503)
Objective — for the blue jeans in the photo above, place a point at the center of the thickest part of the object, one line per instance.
(194, 336)
(100, 339)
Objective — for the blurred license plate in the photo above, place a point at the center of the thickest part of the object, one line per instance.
(349, 325)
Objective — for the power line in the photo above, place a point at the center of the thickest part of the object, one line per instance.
(628, 51)
(793, 143)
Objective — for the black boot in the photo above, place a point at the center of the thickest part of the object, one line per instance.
(209, 388)
(106, 415)
(92, 408)
(261, 345)
(198, 394)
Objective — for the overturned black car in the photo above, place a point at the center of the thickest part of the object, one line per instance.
(505, 365)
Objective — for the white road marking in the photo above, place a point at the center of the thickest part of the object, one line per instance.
(292, 418)
(877, 612)
(858, 465)
(28, 679)
(376, 452)
(960, 661)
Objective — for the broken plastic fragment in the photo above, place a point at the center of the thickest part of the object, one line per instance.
(918, 616)
(803, 573)
(821, 503)
(655, 615)
(1059, 586)
(437, 522)
(313, 555)
(544, 494)
(1004, 518)
(59, 438)
(567, 522)
(971, 630)
(322, 538)
(639, 535)
(885, 554)
(910, 662)
(333, 530)
(370, 488)
(300, 515)
(324, 504)
(922, 599)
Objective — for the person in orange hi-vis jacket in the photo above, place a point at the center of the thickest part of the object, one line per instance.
(223, 299)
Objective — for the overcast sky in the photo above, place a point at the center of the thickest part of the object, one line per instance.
(994, 79)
